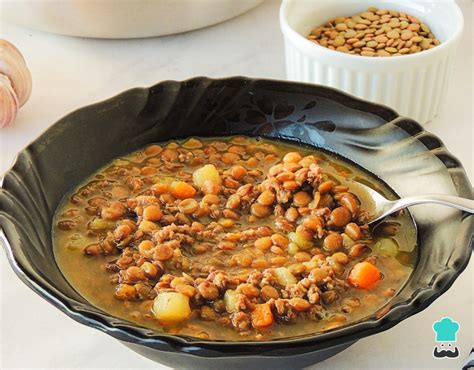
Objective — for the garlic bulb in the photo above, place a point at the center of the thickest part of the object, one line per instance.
(15, 80)
(8, 102)
(13, 65)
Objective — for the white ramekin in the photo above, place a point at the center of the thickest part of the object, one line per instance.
(414, 85)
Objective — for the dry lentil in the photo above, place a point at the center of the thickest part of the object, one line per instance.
(352, 34)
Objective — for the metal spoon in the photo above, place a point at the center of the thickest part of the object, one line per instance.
(384, 207)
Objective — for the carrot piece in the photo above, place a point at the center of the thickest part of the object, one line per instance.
(182, 190)
(262, 316)
(364, 275)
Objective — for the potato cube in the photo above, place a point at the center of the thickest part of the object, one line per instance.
(99, 224)
(387, 247)
(171, 307)
(300, 241)
(284, 276)
(230, 300)
(207, 172)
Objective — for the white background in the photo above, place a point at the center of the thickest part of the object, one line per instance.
(71, 72)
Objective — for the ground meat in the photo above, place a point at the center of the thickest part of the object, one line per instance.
(294, 291)
(240, 321)
(313, 294)
(243, 303)
(329, 297)
(219, 279)
(283, 311)
(268, 278)
(255, 278)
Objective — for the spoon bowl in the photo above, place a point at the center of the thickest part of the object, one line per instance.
(383, 207)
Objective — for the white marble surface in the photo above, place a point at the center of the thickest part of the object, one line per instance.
(71, 72)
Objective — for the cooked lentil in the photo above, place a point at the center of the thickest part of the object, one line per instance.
(229, 250)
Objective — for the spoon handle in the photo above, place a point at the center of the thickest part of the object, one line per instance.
(463, 204)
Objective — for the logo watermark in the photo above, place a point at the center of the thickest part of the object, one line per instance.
(446, 331)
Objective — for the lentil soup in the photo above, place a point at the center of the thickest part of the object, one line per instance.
(232, 239)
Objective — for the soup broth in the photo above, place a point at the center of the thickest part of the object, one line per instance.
(232, 238)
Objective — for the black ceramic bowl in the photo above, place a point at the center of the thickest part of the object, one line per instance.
(395, 149)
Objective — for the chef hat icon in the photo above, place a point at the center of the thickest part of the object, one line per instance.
(446, 330)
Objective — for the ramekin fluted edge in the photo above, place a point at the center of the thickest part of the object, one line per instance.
(415, 85)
